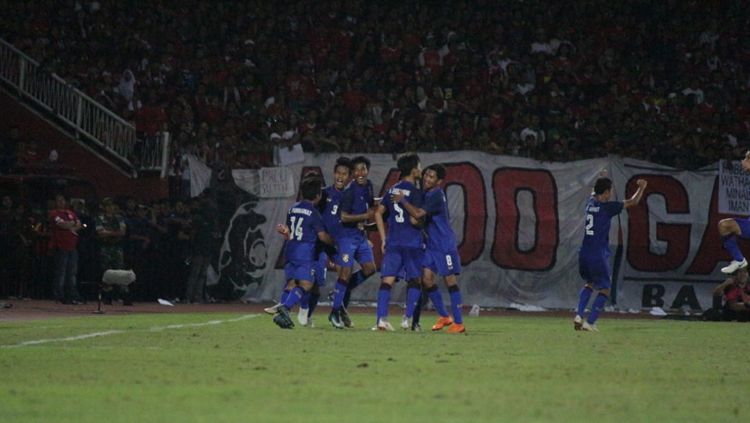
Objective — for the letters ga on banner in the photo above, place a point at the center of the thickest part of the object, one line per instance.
(734, 188)
(276, 182)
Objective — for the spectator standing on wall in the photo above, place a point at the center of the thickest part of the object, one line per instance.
(203, 244)
(111, 230)
(9, 238)
(64, 227)
(88, 246)
(137, 243)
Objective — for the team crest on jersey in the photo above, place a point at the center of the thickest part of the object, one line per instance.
(345, 258)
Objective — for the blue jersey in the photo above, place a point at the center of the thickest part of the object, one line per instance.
(355, 199)
(401, 233)
(440, 236)
(598, 219)
(330, 210)
(304, 223)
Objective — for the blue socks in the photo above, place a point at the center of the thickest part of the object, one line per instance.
(437, 300)
(384, 297)
(597, 308)
(456, 302)
(413, 293)
(583, 300)
(730, 244)
(284, 295)
(294, 297)
(338, 294)
(305, 301)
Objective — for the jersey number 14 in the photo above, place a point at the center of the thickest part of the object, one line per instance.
(296, 230)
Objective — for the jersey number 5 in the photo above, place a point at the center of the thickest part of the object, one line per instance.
(296, 229)
(399, 213)
(589, 224)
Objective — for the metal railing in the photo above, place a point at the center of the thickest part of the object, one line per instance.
(152, 153)
(85, 116)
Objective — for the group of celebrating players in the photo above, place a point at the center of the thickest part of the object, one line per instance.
(327, 229)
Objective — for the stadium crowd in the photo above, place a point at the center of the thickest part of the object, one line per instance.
(665, 81)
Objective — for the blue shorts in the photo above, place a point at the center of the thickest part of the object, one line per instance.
(744, 225)
(444, 264)
(402, 261)
(321, 269)
(351, 249)
(300, 271)
(595, 270)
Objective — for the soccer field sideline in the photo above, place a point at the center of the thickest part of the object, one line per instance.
(119, 331)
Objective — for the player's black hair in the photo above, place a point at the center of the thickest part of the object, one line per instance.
(602, 184)
(346, 162)
(310, 188)
(406, 163)
(361, 159)
(438, 169)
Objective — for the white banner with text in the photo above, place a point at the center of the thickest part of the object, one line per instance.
(519, 224)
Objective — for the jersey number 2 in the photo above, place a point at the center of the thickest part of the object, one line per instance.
(589, 224)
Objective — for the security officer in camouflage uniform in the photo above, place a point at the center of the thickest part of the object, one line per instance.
(111, 230)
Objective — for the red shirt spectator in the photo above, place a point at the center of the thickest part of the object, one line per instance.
(390, 54)
(734, 293)
(63, 235)
(150, 119)
(354, 100)
(430, 59)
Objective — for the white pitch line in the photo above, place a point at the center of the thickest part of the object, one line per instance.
(116, 331)
(70, 338)
(209, 323)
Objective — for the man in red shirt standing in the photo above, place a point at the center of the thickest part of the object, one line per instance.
(64, 226)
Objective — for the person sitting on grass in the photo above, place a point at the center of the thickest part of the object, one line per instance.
(732, 297)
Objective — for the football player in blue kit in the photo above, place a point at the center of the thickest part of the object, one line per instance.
(593, 256)
(328, 206)
(733, 227)
(402, 245)
(303, 229)
(356, 210)
(441, 254)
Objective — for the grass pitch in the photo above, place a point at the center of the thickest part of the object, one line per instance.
(242, 368)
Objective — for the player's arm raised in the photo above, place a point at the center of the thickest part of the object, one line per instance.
(636, 198)
(381, 225)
